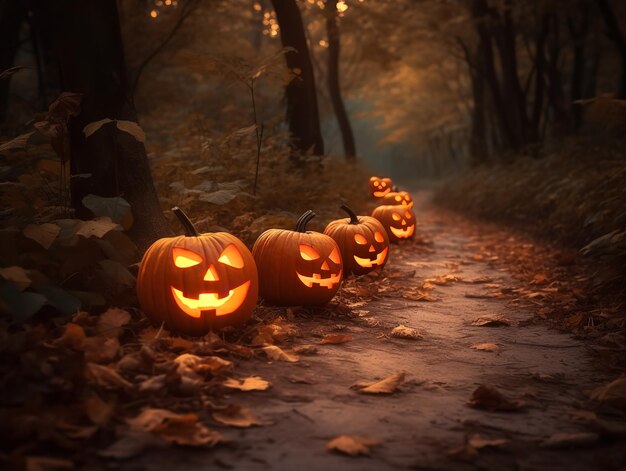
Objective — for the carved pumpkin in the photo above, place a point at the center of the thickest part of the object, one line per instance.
(398, 198)
(362, 241)
(399, 221)
(297, 267)
(379, 187)
(196, 283)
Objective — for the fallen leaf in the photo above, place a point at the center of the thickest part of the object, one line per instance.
(101, 349)
(404, 332)
(47, 463)
(253, 383)
(131, 128)
(478, 280)
(335, 339)
(181, 429)
(278, 354)
(43, 234)
(491, 320)
(97, 228)
(238, 416)
(110, 323)
(385, 386)
(106, 377)
(17, 275)
(442, 279)
(478, 442)
(569, 440)
(73, 336)
(98, 411)
(305, 350)
(613, 393)
(483, 295)
(485, 347)
(352, 445)
(418, 295)
(196, 368)
(489, 398)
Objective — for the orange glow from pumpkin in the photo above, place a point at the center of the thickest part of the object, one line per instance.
(184, 258)
(231, 257)
(210, 301)
(308, 253)
(378, 237)
(334, 256)
(403, 233)
(317, 279)
(367, 263)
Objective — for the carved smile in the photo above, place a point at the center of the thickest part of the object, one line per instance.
(317, 279)
(408, 205)
(403, 233)
(367, 263)
(210, 301)
(382, 193)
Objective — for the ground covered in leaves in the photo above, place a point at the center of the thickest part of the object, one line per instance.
(442, 361)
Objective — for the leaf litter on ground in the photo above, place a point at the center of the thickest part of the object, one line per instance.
(388, 385)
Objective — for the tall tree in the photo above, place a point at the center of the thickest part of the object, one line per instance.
(618, 37)
(110, 162)
(302, 109)
(334, 88)
(12, 15)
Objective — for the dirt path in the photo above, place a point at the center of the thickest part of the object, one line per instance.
(310, 401)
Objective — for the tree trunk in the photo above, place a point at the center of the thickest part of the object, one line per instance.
(333, 81)
(579, 37)
(302, 110)
(616, 35)
(92, 63)
(540, 62)
(12, 15)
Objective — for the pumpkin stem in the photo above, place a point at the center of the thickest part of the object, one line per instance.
(353, 217)
(304, 220)
(190, 231)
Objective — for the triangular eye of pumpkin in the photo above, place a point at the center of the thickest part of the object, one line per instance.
(184, 258)
(378, 237)
(396, 217)
(231, 257)
(407, 214)
(308, 253)
(334, 256)
(359, 239)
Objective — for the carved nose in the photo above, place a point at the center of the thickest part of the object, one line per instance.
(325, 266)
(372, 249)
(211, 274)
(403, 222)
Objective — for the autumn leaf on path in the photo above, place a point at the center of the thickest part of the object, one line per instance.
(111, 322)
(43, 234)
(489, 398)
(253, 383)
(418, 295)
(352, 445)
(277, 331)
(335, 339)
(238, 416)
(478, 281)
(442, 280)
(386, 386)
(278, 354)
(613, 393)
(483, 295)
(98, 411)
(197, 368)
(474, 444)
(106, 377)
(404, 332)
(485, 347)
(491, 320)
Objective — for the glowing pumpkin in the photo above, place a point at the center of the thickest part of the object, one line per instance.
(379, 187)
(297, 267)
(398, 198)
(362, 241)
(399, 221)
(197, 283)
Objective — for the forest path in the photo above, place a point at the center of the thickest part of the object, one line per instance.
(310, 402)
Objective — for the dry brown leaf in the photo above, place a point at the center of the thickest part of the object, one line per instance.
(73, 336)
(196, 368)
(569, 440)
(111, 322)
(335, 339)
(442, 279)
(43, 234)
(278, 331)
(483, 295)
(352, 445)
(305, 350)
(613, 393)
(479, 280)
(278, 354)
(386, 386)
(404, 332)
(101, 349)
(489, 398)
(238, 416)
(478, 442)
(491, 320)
(418, 295)
(106, 377)
(485, 347)
(253, 383)
(98, 411)
(181, 429)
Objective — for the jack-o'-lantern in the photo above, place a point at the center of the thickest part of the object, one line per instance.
(379, 187)
(398, 198)
(362, 241)
(197, 282)
(297, 267)
(399, 221)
